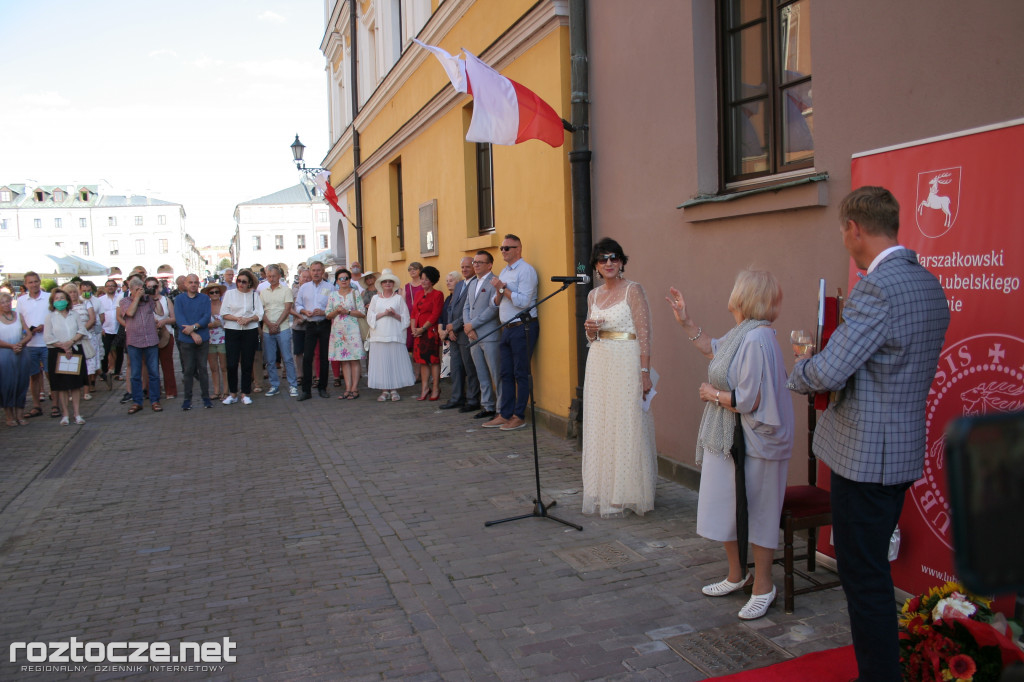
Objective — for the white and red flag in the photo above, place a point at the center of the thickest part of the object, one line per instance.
(504, 112)
(323, 181)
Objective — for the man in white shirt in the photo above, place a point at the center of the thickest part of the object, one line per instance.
(106, 308)
(277, 331)
(356, 281)
(33, 308)
(516, 292)
(229, 279)
(311, 305)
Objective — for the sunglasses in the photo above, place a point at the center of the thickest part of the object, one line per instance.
(242, 280)
(342, 279)
(507, 248)
(609, 258)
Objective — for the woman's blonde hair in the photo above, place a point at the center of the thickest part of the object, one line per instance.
(71, 286)
(756, 295)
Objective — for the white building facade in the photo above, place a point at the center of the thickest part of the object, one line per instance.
(286, 227)
(118, 230)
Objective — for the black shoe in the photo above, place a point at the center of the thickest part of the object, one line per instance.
(469, 408)
(303, 396)
(323, 393)
(126, 398)
(483, 414)
(450, 405)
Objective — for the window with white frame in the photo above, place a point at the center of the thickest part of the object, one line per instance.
(161, 220)
(59, 194)
(84, 248)
(58, 223)
(38, 223)
(300, 241)
(321, 217)
(138, 220)
(163, 246)
(112, 247)
(112, 221)
(278, 242)
(5, 195)
(257, 244)
(140, 247)
(323, 241)
(3, 223)
(83, 222)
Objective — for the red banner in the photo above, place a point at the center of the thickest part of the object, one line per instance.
(962, 211)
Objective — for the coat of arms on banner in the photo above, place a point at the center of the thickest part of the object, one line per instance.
(938, 200)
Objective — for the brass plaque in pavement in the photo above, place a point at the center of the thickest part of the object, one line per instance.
(727, 650)
(598, 557)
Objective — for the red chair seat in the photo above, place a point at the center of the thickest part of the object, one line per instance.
(806, 500)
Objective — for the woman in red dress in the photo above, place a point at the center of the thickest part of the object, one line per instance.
(426, 347)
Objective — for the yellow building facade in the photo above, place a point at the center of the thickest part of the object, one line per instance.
(417, 189)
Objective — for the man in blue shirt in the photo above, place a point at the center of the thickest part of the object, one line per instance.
(192, 315)
(516, 291)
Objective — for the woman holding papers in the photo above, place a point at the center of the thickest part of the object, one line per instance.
(63, 333)
(620, 465)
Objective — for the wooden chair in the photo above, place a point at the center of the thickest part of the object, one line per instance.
(805, 507)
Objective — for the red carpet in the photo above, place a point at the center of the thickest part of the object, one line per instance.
(832, 665)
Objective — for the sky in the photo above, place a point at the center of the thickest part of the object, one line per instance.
(191, 102)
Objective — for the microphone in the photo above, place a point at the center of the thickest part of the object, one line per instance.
(575, 279)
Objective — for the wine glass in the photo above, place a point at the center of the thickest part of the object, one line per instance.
(802, 341)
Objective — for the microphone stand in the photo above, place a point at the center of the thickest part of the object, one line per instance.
(539, 508)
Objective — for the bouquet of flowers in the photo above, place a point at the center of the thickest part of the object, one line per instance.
(949, 634)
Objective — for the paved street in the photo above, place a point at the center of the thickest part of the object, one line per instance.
(345, 540)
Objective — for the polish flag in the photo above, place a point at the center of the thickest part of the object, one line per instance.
(504, 112)
(322, 181)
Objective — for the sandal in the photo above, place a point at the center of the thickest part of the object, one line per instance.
(758, 605)
(12, 422)
(395, 397)
(87, 396)
(22, 422)
(337, 382)
(383, 397)
(134, 408)
(353, 395)
(344, 396)
(34, 412)
(257, 389)
(720, 589)
(156, 407)
(54, 412)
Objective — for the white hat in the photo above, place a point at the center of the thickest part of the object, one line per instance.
(386, 275)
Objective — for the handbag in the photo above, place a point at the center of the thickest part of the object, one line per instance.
(163, 336)
(88, 349)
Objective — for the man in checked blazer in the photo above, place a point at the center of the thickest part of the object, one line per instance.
(881, 360)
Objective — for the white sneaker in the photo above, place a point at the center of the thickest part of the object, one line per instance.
(230, 400)
(246, 400)
(293, 392)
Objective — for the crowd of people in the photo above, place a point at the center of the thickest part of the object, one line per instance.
(880, 360)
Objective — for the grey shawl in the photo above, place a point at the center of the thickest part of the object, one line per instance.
(717, 423)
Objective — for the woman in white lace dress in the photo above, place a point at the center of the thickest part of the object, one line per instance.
(620, 467)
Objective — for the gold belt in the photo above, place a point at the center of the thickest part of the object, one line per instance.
(616, 336)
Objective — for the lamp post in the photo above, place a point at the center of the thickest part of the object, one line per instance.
(297, 150)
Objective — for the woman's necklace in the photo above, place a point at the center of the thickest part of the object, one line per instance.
(9, 317)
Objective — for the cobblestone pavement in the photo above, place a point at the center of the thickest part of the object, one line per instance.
(345, 540)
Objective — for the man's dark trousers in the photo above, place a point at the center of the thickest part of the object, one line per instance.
(316, 333)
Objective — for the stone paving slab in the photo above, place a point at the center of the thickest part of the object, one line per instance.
(345, 540)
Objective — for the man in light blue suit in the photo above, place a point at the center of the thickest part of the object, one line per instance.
(881, 360)
(480, 319)
(465, 385)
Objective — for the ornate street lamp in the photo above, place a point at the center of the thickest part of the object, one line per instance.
(297, 150)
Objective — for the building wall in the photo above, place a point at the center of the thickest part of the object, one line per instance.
(286, 220)
(415, 118)
(884, 73)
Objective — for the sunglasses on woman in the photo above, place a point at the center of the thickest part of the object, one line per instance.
(608, 258)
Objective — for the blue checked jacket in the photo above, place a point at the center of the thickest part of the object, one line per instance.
(881, 360)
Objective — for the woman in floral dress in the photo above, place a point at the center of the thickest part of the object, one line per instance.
(344, 308)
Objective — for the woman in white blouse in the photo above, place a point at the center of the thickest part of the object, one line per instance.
(63, 334)
(241, 312)
(389, 367)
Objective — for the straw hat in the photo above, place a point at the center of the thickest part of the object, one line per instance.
(386, 275)
(210, 287)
